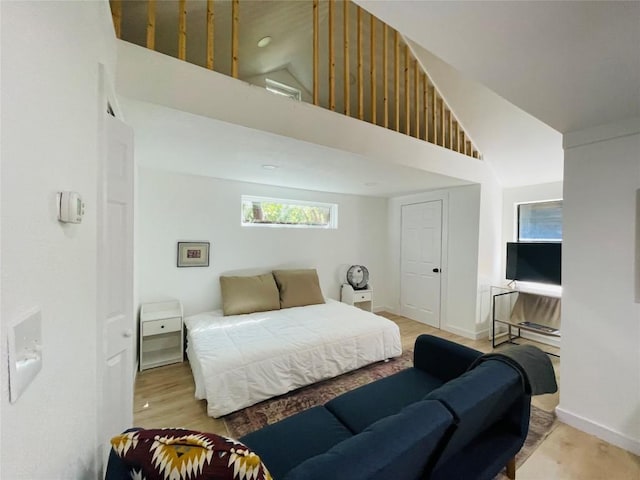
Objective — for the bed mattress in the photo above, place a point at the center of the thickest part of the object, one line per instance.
(240, 360)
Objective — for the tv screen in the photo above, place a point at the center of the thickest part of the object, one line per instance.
(534, 262)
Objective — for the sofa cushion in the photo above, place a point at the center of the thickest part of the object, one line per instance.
(397, 447)
(365, 405)
(478, 399)
(291, 441)
(175, 453)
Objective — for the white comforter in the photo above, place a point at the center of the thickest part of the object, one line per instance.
(242, 359)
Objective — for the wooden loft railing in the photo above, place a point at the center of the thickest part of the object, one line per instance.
(355, 63)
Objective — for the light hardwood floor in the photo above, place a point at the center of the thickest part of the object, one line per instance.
(164, 397)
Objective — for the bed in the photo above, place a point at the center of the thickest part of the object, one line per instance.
(239, 360)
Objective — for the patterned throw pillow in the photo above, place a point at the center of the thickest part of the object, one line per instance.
(178, 454)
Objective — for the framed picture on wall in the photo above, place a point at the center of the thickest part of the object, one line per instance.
(193, 254)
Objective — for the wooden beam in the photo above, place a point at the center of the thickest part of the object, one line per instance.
(372, 69)
(425, 100)
(360, 66)
(182, 29)
(116, 16)
(396, 76)
(347, 80)
(151, 24)
(385, 77)
(458, 137)
(467, 147)
(450, 129)
(434, 111)
(235, 36)
(416, 95)
(441, 121)
(407, 104)
(210, 22)
(454, 134)
(445, 127)
(316, 47)
(462, 141)
(332, 60)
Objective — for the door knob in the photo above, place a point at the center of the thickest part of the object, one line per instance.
(127, 333)
(436, 270)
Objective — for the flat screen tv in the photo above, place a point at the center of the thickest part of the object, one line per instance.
(535, 262)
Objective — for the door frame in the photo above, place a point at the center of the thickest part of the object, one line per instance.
(107, 97)
(396, 212)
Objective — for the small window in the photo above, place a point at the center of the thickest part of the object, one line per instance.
(284, 90)
(540, 222)
(275, 212)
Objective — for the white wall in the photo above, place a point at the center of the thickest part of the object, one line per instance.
(461, 208)
(488, 253)
(175, 207)
(50, 57)
(600, 319)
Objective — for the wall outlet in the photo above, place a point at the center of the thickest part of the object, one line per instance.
(25, 352)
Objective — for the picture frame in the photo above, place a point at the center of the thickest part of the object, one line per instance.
(193, 254)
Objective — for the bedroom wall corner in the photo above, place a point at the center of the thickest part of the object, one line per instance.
(177, 207)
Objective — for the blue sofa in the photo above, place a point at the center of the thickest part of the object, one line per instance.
(435, 420)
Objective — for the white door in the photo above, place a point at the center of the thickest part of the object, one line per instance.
(116, 324)
(420, 262)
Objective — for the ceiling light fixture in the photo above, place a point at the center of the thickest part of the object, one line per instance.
(269, 167)
(264, 41)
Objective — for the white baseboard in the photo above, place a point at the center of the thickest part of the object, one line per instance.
(611, 436)
(382, 308)
(385, 308)
(473, 335)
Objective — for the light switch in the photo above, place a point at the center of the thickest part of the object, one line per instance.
(25, 352)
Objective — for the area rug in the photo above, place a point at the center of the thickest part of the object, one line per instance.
(270, 411)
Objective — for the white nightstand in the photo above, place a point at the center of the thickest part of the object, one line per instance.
(161, 340)
(358, 298)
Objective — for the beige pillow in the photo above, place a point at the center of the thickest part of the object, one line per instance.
(298, 287)
(258, 293)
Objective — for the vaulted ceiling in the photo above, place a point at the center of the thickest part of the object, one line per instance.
(572, 65)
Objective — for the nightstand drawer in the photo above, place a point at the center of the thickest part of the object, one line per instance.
(362, 297)
(155, 327)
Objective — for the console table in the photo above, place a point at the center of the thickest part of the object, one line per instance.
(524, 311)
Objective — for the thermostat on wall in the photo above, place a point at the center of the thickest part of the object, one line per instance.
(70, 207)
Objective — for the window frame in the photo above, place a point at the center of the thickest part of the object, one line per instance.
(517, 222)
(333, 212)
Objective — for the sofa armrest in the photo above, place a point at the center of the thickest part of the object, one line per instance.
(441, 358)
